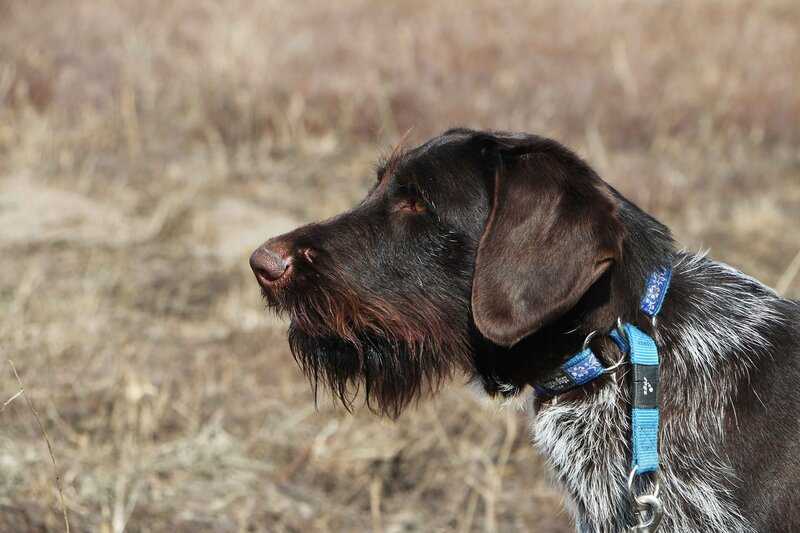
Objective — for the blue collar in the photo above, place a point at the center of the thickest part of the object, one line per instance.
(584, 367)
(642, 351)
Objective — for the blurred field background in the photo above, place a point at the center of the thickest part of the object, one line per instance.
(147, 147)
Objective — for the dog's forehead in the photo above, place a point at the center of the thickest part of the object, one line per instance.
(435, 162)
(442, 145)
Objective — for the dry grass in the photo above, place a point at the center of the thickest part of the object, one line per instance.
(146, 147)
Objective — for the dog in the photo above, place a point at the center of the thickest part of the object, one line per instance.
(496, 255)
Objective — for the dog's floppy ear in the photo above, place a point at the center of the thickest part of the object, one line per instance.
(553, 230)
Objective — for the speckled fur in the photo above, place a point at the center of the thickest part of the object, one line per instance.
(706, 353)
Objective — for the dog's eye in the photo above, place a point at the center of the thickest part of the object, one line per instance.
(409, 200)
(411, 205)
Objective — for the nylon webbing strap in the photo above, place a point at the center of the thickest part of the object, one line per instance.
(578, 370)
(644, 414)
(655, 291)
(584, 366)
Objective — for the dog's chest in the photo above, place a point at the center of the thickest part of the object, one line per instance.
(583, 442)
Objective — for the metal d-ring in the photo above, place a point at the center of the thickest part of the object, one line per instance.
(588, 339)
(621, 360)
(632, 476)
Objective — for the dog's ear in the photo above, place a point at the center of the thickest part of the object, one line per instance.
(552, 231)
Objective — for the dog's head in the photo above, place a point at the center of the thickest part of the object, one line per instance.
(467, 243)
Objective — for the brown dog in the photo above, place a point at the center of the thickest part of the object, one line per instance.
(496, 255)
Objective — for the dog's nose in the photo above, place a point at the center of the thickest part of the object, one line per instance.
(268, 264)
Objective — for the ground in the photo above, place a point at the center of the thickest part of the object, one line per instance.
(147, 147)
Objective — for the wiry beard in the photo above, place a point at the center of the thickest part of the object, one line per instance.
(391, 374)
(393, 354)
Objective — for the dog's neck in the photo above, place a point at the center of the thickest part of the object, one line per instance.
(647, 245)
(717, 335)
(717, 325)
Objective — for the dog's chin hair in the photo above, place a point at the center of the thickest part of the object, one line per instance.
(389, 375)
(388, 353)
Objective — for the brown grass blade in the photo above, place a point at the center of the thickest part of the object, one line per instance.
(46, 439)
